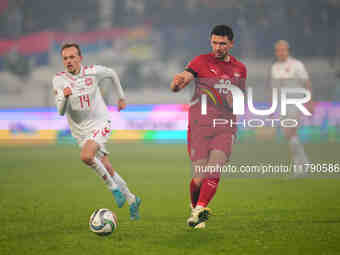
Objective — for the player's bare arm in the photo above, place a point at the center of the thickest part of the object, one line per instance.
(181, 80)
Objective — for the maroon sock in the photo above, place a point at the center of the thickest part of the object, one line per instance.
(194, 193)
(208, 190)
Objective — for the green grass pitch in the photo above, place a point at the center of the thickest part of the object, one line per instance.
(47, 196)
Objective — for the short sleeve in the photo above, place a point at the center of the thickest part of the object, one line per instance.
(58, 83)
(194, 66)
(244, 72)
(243, 76)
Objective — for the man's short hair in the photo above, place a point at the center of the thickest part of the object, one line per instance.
(70, 45)
(284, 42)
(222, 30)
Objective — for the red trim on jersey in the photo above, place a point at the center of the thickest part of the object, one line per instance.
(95, 133)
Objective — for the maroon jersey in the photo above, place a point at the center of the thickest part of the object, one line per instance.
(209, 72)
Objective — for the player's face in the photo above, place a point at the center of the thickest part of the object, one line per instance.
(281, 52)
(71, 59)
(220, 46)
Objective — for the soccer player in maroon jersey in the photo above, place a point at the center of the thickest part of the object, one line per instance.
(209, 145)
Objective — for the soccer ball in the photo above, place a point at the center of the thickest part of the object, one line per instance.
(103, 222)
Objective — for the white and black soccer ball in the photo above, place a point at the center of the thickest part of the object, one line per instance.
(103, 222)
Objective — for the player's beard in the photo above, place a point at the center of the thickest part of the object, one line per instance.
(220, 55)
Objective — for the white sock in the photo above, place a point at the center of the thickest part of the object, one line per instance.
(299, 155)
(100, 169)
(130, 198)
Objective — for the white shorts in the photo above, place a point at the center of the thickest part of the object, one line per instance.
(100, 134)
(292, 112)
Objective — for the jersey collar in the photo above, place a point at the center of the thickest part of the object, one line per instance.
(74, 76)
(230, 60)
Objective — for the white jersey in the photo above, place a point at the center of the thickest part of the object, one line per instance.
(288, 74)
(85, 108)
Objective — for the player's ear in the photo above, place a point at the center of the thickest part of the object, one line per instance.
(231, 43)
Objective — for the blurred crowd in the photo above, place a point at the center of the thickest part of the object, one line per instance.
(180, 29)
(257, 23)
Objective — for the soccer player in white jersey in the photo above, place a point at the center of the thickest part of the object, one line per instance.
(289, 72)
(78, 96)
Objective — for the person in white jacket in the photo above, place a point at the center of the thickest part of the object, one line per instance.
(288, 72)
(78, 95)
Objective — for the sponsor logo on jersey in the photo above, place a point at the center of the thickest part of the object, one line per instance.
(213, 71)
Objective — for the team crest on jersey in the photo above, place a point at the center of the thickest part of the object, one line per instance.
(89, 81)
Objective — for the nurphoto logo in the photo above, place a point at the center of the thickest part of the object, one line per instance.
(288, 97)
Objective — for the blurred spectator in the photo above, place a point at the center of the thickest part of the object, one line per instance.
(17, 65)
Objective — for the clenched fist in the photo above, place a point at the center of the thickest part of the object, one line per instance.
(177, 83)
(121, 104)
(67, 91)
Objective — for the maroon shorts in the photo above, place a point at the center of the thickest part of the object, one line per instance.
(201, 140)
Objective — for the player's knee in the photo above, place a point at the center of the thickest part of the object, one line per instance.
(197, 181)
(109, 167)
(87, 158)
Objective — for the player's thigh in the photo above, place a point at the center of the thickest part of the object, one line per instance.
(289, 132)
(217, 157)
(198, 143)
(292, 114)
(220, 148)
(89, 150)
(100, 135)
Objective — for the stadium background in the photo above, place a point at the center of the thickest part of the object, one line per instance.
(147, 42)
